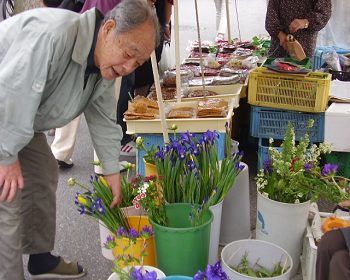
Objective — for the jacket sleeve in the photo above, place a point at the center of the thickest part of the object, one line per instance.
(105, 133)
(24, 65)
(320, 15)
(273, 24)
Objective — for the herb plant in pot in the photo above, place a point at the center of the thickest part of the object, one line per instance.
(289, 180)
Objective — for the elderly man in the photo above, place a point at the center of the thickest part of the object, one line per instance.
(54, 65)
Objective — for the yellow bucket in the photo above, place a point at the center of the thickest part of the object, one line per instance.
(150, 169)
(125, 247)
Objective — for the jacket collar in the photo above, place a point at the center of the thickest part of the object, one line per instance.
(85, 37)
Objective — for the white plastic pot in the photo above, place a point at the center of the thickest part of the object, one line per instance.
(266, 253)
(283, 224)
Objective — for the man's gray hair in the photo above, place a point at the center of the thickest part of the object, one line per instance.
(129, 14)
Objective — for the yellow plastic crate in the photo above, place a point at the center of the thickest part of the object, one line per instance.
(308, 93)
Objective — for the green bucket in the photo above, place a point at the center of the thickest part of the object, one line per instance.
(180, 248)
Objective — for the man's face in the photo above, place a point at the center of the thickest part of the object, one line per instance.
(119, 55)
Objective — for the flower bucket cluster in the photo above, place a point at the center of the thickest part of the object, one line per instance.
(296, 174)
(190, 170)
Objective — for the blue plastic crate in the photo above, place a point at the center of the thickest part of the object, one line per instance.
(157, 140)
(272, 123)
(321, 51)
(263, 152)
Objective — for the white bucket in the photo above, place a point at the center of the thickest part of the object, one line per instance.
(235, 218)
(263, 252)
(215, 233)
(160, 274)
(283, 224)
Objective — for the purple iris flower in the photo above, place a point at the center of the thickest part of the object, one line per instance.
(122, 232)
(82, 209)
(136, 274)
(160, 153)
(191, 165)
(267, 166)
(194, 149)
(308, 167)
(182, 153)
(329, 168)
(148, 230)
(213, 272)
(98, 206)
(186, 137)
(133, 233)
(239, 166)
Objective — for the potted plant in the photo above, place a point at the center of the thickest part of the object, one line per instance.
(95, 204)
(191, 172)
(290, 179)
(186, 225)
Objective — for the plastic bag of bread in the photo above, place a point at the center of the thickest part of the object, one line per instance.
(182, 113)
(212, 107)
(169, 78)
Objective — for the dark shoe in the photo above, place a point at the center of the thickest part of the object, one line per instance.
(51, 132)
(64, 270)
(64, 165)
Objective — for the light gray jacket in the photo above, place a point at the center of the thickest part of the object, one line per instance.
(43, 57)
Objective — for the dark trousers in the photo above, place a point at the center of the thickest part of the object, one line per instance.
(333, 261)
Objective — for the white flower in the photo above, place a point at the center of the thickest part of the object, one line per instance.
(296, 201)
(264, 194)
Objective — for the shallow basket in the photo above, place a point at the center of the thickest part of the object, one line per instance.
(309, 93)
(273, 123)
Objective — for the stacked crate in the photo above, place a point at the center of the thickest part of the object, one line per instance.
(282, 98)
(322, 51)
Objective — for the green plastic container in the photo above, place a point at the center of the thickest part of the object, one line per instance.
(180, 248)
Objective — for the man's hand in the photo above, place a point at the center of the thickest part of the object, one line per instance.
(113, 181)
(11, 179)
(297, 24)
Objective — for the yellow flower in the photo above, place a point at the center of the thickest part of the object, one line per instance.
(103, 181)
(82, 200)
(71, 182)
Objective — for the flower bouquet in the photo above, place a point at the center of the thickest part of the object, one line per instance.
(149, 195)
(291, 178)
(295, 173)
(191, 171)
(95, 203)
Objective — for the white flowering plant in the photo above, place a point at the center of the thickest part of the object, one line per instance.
(295, 173)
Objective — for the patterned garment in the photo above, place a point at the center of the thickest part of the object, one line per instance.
(280, 13)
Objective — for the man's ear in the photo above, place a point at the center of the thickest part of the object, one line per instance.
(108, 27)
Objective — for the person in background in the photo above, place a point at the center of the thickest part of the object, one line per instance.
(303, 19)
(221, 19)
(333, 259)
(144, 74)
(64, 64)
